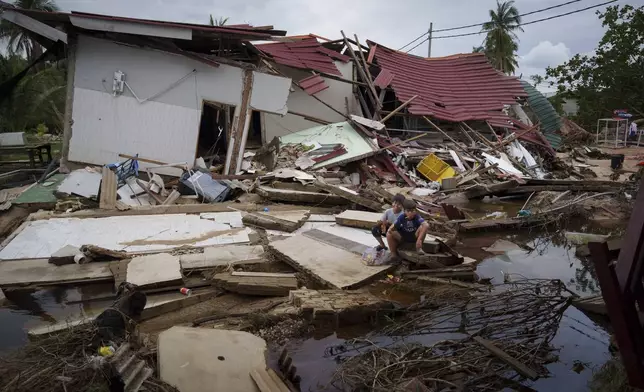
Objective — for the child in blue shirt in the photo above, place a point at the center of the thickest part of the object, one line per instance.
(388, 218)
(409, 228)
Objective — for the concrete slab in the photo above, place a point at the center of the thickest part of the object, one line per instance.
(81, 182)
(233, 218)
(156, 269)
(40, 272)
(223, 256)
(139, 233)
(321, 218)
(328, 264)
(358, 219)
(199, 359)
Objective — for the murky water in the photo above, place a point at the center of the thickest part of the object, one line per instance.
(579, 339)
(25, 309)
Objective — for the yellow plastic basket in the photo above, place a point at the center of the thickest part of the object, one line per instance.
(435, 169)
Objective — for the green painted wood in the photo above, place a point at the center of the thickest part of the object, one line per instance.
(41, 193)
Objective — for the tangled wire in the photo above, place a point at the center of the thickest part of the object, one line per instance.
(440, 346)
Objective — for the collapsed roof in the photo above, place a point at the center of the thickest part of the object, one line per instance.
(304, 53)
(205, 40)
(455, 88)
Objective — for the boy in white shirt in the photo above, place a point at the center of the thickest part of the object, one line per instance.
(388, 218)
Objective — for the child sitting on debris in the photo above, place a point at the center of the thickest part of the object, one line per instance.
(408, 229)
(388, 218)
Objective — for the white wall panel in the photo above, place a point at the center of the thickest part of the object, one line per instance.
(301, 102)
(105, 126)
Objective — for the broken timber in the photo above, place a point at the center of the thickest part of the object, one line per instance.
(256, 283)
(299, 197)
(484, 190)
(347, 194)
(521, 368)
(24, 272)
(107, 198)
(284, 221)
(358, 219)
(466, 273)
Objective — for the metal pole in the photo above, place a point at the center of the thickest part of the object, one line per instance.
(429, 45)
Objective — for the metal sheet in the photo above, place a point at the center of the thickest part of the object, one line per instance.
(357, 146)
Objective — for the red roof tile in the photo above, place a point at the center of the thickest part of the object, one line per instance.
(455, 88)
(313, 84)
(305, 54)
(383, 79)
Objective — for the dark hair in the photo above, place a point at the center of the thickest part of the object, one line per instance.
(399, 198)
(409, 205)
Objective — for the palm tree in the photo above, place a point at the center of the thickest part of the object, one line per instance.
(20, 41)
(218, 22)
(501, 41)
(478, 49)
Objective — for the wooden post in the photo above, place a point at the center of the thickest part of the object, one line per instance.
(72, 44)
(374, 95)
(240, 124)
(376, 114)
(399, 108)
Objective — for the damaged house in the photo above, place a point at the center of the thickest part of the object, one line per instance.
(164, 91)
(323, 84)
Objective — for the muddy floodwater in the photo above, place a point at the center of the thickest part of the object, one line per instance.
(580, 340)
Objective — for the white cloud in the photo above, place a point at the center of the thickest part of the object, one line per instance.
(545, 54)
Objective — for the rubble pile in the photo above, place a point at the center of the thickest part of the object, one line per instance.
(299, 206)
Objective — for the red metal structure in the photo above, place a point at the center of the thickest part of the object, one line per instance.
(623, 291)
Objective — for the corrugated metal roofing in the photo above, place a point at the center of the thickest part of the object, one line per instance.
(52, 17)
(313, 84)
(456, 88)
(550, 121)
(305, 54)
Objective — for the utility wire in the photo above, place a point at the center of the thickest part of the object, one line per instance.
(532, 22)
(522, 24)
(481, 24)
(522, 15)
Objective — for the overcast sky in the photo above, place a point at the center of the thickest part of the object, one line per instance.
(390, 23)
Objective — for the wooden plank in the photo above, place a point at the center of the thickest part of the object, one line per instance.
(265, 382)
(299, 197)
(284, 221)
(187, 209)
(263, 274)
(155, 306)
(108, 189)
(222, 256)
(485, 190)
(256, 285)
(505, 357)
(278, 381)
(457, 283)
(327, 264)
(359, 219)
(39, 272)
(348, 195)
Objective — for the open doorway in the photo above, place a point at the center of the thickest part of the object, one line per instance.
(254, 140)
(213, 128)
